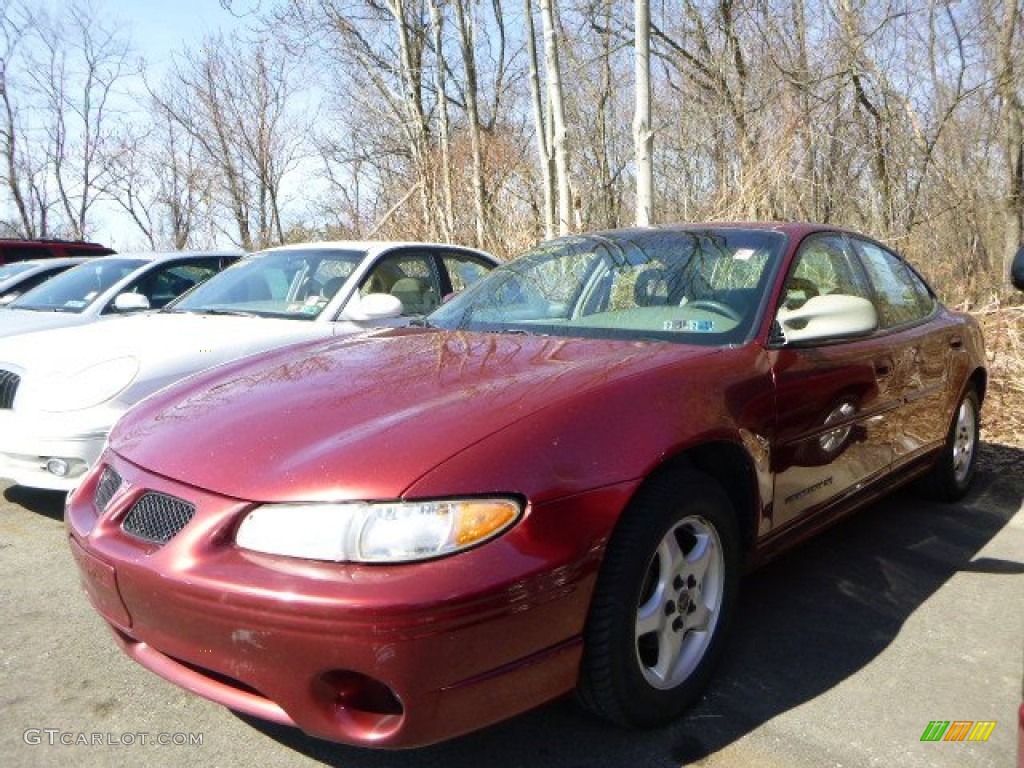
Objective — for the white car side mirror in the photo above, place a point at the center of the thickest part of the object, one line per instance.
(835, 316)
(7, 298)
(372, 306)
(130, 302)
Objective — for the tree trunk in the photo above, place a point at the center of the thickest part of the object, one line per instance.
(643, 136)
(447, 216)
(473, 114)
(1013, 127)
(557, 107)
(545, 157)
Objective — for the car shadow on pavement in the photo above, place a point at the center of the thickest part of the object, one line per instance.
(804, 624)
(47, 503)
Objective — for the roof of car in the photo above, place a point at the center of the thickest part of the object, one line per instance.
(365, 245)
(167, 255)
(58, 262)
(792, 228)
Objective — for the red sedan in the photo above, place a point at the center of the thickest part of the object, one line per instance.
(554, 484)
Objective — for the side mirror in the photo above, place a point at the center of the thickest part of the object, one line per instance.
(372, 306)
(835, 316)
(1017, 269)
(130, 302)
(7, 298)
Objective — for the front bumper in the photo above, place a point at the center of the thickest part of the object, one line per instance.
(28, 441)
(388, 656)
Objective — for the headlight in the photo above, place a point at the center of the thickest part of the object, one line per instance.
(90, 386)
(389, 532)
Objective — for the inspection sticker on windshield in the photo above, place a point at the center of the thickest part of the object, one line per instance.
(743, 254)
(694, 326)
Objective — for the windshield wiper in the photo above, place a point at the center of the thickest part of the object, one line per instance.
(233, 312)
(421, 322)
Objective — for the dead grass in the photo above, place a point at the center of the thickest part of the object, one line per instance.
(1003, 413)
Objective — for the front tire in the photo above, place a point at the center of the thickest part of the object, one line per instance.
(951, 475)
(663, 601)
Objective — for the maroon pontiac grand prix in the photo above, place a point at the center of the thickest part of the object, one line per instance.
(553, 485)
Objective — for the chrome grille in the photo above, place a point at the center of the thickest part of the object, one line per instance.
(157, 517)
(9, 382)
(109, 482)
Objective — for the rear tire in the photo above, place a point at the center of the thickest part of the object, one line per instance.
(951, 475)
(663, 601)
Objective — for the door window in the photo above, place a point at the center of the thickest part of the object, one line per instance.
(901, 296)
(167, 282)
(823, 267)
(463, 270)
(410, 278)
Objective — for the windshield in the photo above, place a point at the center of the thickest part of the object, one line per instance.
(295, 284)
(8, 271)
(76, 289)
(691, 286)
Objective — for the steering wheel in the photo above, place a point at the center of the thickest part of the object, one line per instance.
(716, 307)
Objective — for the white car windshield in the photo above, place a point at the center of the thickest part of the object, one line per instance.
(294, 284)
(10, 270)
(73, 291)
(692, 286)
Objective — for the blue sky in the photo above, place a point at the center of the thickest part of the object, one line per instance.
(159, 27)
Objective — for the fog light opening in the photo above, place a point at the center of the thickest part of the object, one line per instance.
(58, 467)
(354, 691)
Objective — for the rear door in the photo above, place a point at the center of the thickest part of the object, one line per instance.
(921, 349)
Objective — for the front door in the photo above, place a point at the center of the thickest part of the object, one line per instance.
(836, 400)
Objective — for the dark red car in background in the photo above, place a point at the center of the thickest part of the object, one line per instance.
(14, 249)
(554, 485)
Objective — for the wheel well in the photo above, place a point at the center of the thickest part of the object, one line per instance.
(732, 468)
(979, 380)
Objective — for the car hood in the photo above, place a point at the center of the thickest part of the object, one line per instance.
(166, 346)
(364, 418)
(14, 322)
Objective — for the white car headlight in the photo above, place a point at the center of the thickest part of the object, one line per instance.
(389, 532)
(88, 387)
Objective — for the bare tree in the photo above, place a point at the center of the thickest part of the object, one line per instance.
(81, 64)
(1010, 85)
(157, 179)
(22, 180)
(238, 101)
(447, 217)
(556, 104)
(467, 46)
(60, 75)
(643, 134)
(546, 158)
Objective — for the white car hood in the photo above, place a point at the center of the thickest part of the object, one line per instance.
(17, 321)
(167, 347)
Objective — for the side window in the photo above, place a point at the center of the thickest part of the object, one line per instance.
(823, 267)
(462, 270)
(901, 295)
(410, 278)
(166, 283)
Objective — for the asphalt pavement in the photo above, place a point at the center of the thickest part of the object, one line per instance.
(842, 654)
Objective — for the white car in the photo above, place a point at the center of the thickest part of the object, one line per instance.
(110, 286)
(21, 276)
(62, 390)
